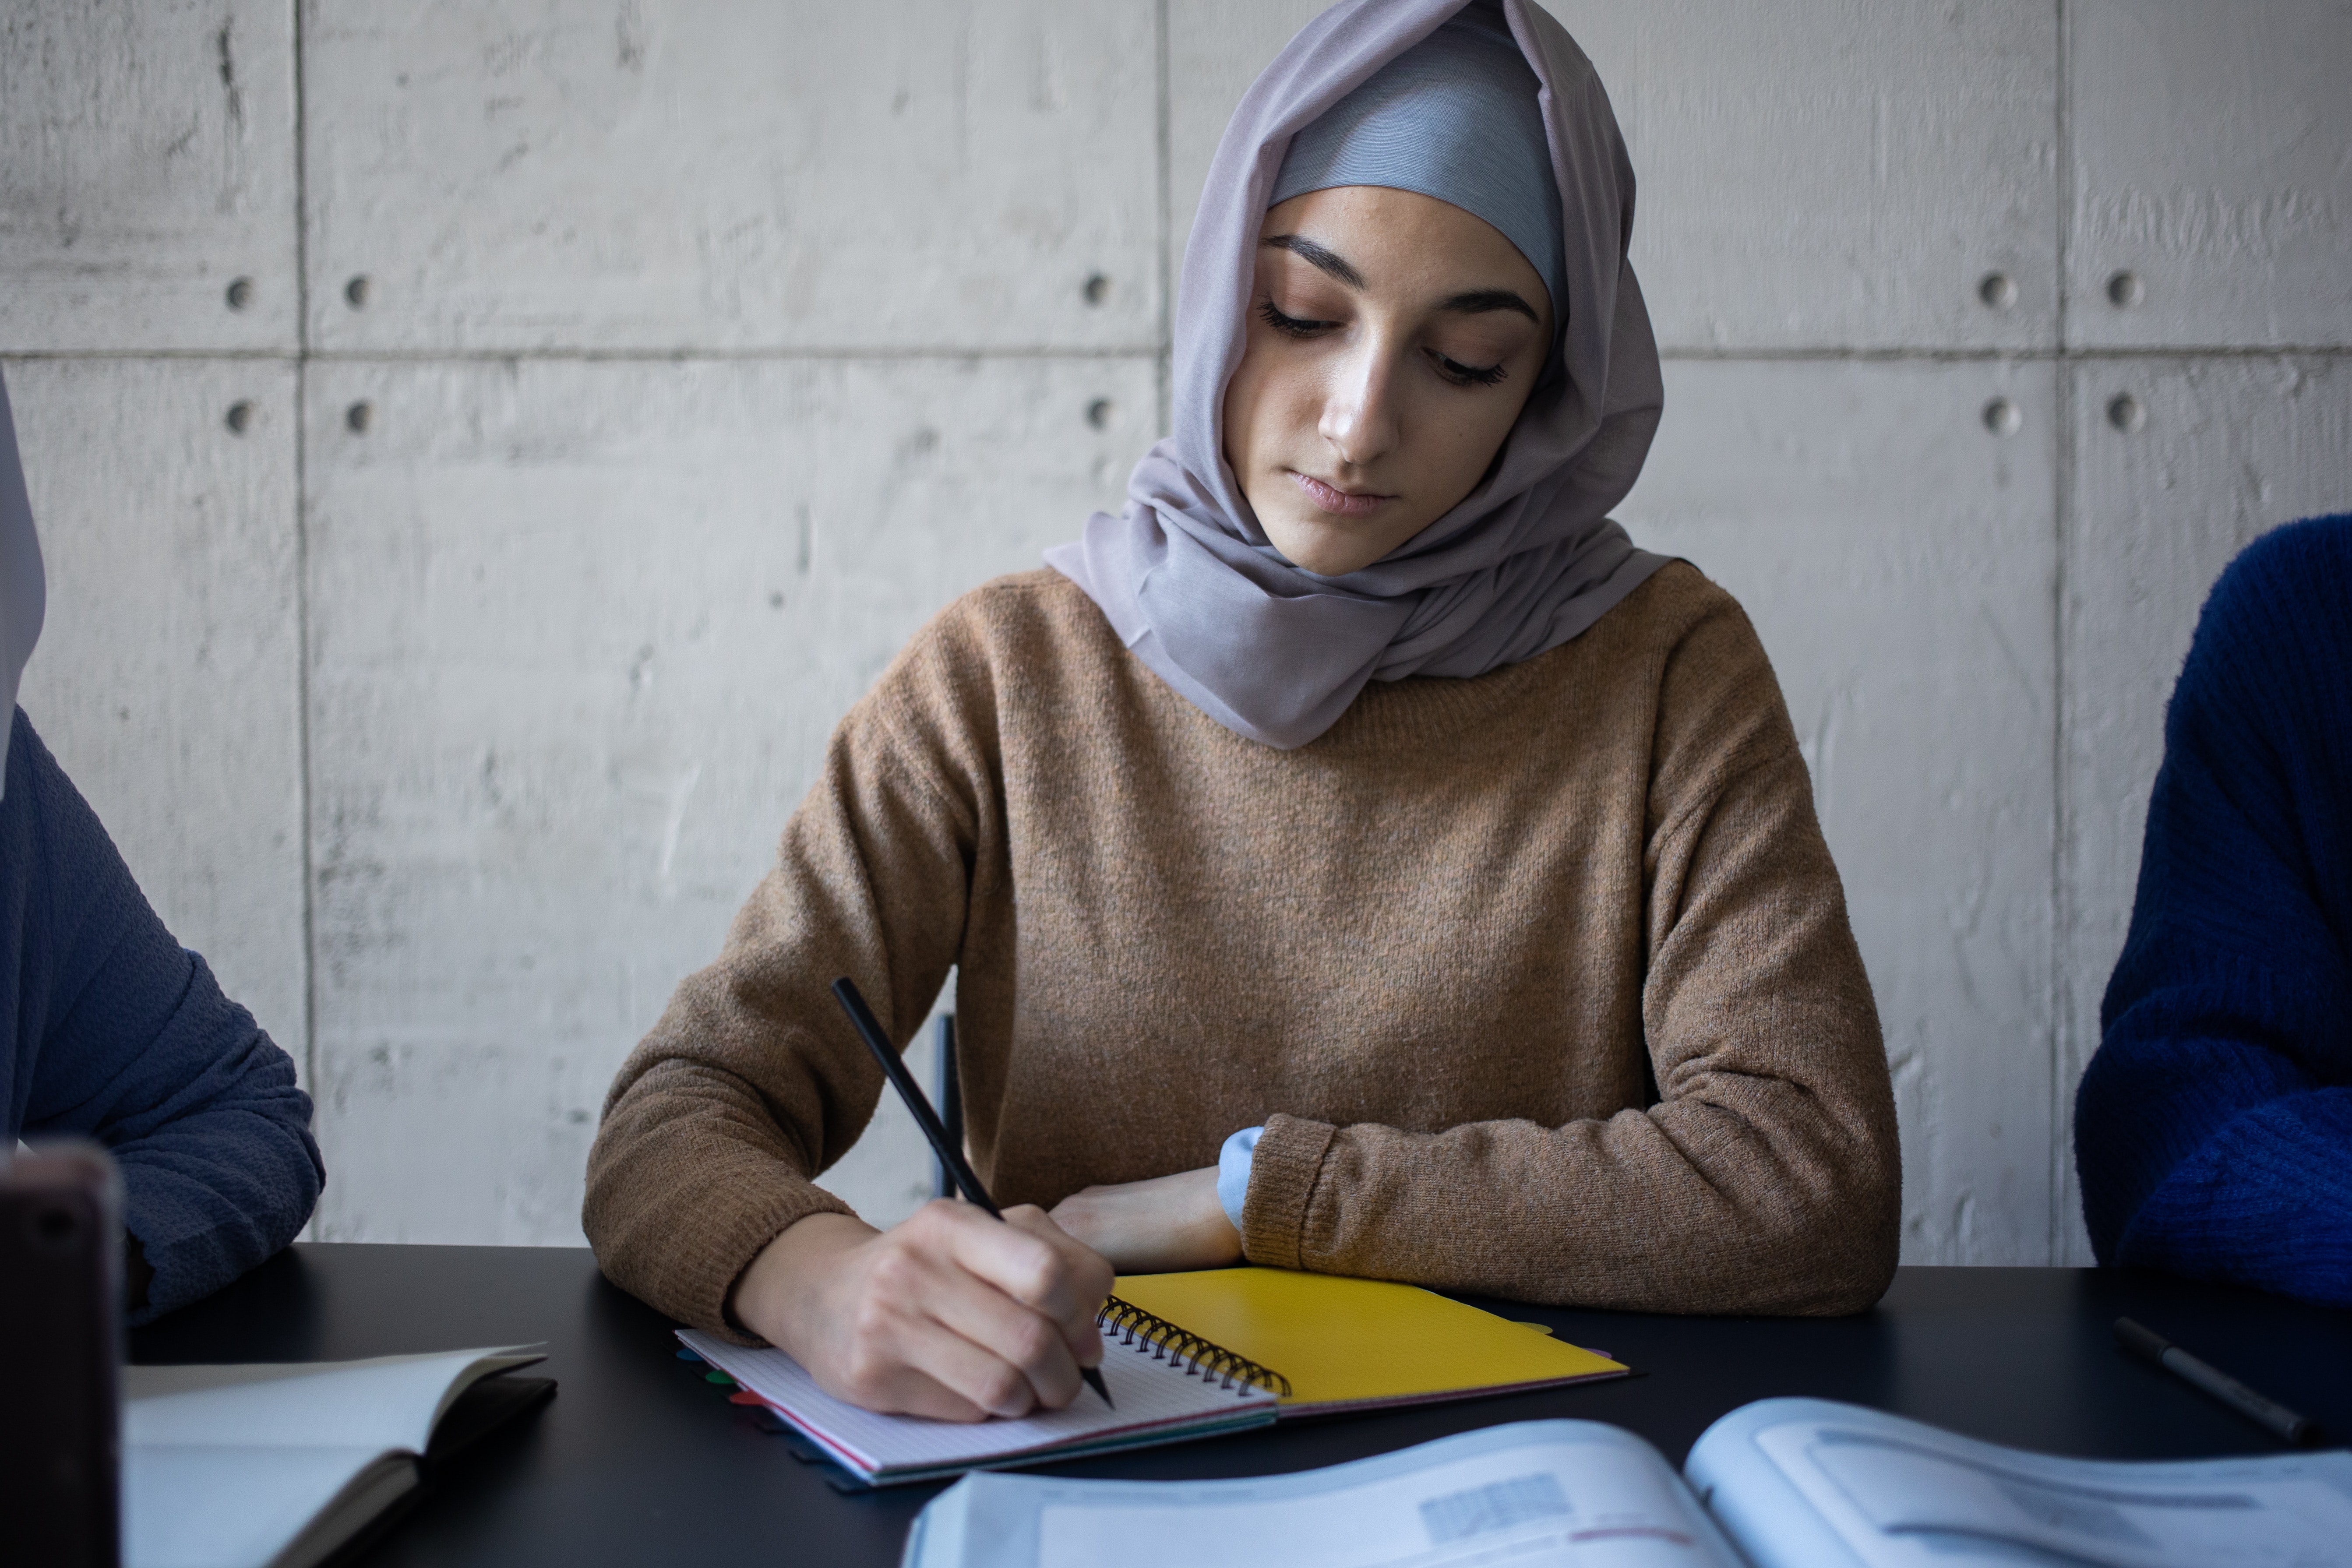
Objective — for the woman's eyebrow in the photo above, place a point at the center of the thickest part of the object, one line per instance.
(1478, 302)
(1313, 254)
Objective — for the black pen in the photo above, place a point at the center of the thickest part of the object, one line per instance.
(2146, 1342)
(845, 993)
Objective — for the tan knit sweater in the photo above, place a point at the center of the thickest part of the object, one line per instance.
(1540, 983)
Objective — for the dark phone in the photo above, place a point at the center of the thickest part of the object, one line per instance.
(61, 1344)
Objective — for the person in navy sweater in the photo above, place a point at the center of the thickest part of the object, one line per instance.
(2214, 1129)
(109, 1029)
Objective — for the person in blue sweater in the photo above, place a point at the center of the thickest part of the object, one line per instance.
(2214, 1129)
(109, 1029)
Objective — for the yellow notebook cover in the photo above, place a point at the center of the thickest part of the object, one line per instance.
(1347, 1342)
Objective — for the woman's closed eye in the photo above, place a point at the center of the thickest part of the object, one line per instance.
(1294, 326)
(1462, 374)
(1448, 367)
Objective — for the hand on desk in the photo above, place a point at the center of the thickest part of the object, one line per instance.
(1150, 1227)
(951, 1315)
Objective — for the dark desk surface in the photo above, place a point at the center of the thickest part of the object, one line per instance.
(639, 1460)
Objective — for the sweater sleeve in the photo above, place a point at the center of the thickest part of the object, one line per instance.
(124, 1037)
(752, 1083)
(1764, 1178)
(2213, 1128)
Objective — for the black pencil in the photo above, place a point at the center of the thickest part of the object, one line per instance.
(2146, 1342)
(845, 993)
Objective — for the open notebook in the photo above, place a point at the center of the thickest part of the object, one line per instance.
(1782, 1483)
(276, 1465)
(1188, 1355)
(1158, 1398)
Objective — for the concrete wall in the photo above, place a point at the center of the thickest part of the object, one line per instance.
(482, 448)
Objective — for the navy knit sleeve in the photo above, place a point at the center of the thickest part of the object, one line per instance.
(121, 1035)
(2214, 1129)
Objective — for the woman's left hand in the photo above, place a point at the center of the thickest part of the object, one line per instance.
(1150, 1227)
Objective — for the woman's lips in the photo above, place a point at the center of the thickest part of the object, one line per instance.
(1331, 499)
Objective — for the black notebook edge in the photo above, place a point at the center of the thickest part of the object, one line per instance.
(490, 1406)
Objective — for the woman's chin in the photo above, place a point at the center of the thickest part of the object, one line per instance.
(1337, 560)
(1325, 562)
(1324, 546)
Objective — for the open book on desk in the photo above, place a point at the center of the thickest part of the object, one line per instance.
(1782, 1483)
(278, 1466)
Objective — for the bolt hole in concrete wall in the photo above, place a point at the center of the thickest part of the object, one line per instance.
(620, 387)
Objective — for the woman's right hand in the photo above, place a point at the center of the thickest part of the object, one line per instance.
(951, 1315)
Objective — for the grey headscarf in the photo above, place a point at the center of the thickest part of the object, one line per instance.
(23, 589)
(1528, 560)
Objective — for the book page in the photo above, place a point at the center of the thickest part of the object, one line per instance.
(1902, 1494)
(388, 1402)
(1573, 1493)
(1148, 1394)
(211, 1506)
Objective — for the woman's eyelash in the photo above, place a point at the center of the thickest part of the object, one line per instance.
(1451, 369)
(1298, 327)
(1469, 375)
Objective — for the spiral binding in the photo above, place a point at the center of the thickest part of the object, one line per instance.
(1185, 1349)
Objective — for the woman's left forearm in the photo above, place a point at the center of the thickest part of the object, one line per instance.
(1688, 1207)
(1152, 1228)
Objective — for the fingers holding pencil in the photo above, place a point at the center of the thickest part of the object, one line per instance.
(869, 1029)
(1067, 1285)
(991, 1312)
(951, 1314)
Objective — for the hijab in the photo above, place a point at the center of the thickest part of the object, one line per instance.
(1454, 117)
(23, 589)
(1528, 559)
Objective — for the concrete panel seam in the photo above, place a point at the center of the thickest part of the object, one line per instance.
(955, 356)
(302, 554)
(1999, 356)
(2062, 899)
(1163, 384)
(2062, 812)
(950, 355)
(146, 356)
(2065, 138)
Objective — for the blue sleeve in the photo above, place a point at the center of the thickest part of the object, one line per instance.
(122, 1036)
(1234, 1158)
(2214, 1129)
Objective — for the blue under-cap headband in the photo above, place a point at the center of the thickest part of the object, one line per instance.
(1454, 117)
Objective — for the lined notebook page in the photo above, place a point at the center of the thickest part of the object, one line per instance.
(1149, 1393)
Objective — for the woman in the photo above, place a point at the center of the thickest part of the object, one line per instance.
(1356, 857)
(2214, 1129)
(109, 1029)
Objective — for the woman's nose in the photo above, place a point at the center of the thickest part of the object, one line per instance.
(1359, 409)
